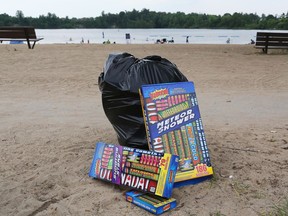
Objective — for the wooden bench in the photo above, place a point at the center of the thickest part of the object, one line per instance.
(271, 40)
(23, 33)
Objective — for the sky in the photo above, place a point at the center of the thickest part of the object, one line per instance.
(94, 8)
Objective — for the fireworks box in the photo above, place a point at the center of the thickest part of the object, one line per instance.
(154, 204)
(143, 170)
(173, 124)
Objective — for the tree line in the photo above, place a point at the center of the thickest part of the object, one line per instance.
(151, 19)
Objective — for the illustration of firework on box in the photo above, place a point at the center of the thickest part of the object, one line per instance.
(139, 169)
(173, 124)
(154, 204)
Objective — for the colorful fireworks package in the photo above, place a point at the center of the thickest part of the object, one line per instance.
(154, 204)
(142, 170)
(174, 125)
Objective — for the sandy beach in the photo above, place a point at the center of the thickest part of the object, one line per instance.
(51, 117)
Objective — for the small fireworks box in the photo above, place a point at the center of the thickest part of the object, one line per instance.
(173, 124)
(138, 169)
(154, 204)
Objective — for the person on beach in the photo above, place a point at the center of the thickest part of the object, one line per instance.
(171, 41)
(187, 39)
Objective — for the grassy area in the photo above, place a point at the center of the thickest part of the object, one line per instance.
(282, 209)
(218, 213)
(278, 209)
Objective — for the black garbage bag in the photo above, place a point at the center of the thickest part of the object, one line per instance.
(119, 83)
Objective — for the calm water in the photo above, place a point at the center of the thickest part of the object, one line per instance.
(146, 36)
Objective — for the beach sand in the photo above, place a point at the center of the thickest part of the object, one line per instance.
(51, 117)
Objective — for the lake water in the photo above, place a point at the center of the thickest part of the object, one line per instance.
(147, 36)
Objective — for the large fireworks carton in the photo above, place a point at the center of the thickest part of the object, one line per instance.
(146, 171)
(173, 124)
(154, 204)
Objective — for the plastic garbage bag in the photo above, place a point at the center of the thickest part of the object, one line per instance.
(119, 83)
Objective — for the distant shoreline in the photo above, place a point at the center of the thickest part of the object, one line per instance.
(147, 36)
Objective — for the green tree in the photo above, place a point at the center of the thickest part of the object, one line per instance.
(151, 19)
(21, 20)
